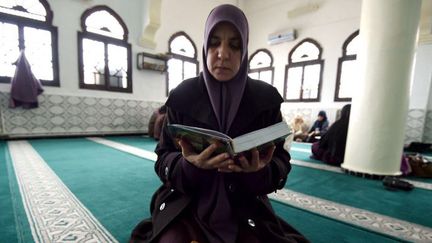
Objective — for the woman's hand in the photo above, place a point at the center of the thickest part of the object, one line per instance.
(256, 163)
(204, 159)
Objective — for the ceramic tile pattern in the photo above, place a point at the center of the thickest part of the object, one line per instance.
(76, 115)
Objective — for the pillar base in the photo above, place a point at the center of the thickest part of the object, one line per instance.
(366, 175)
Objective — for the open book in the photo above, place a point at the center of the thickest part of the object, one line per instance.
(201, 138)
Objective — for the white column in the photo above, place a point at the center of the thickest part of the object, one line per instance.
(388, 33)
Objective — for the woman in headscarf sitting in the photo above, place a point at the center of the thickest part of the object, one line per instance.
(331, 147)
(217, 198)
(299, 128)
(319, 127)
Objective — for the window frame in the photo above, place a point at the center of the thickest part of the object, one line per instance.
(303, 64)
(180, 57)
(106, 40)
(22, 22)
(341, 59)
(262, 69)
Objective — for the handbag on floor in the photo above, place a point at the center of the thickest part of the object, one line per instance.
(420, 166)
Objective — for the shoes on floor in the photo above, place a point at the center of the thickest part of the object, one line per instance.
(393, 183)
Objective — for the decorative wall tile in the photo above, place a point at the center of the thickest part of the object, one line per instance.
(74, 115)
(427, 132)
(414, 126)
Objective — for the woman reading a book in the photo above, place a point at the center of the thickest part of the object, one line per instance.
(215, 197)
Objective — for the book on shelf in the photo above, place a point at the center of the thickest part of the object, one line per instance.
(201, 138)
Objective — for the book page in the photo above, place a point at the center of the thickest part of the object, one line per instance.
(262, 136)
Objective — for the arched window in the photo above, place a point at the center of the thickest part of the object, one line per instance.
(261, 66)
(303, 74)
(347, 72)
(27, 25)
(103, 51)
(183, 63)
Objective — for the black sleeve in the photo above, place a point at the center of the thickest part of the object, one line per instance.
(172, 168)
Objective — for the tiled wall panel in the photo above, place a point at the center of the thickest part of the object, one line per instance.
(76, 115)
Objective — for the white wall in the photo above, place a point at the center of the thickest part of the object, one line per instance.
(147, 85)
(422, 82)
(429, 106)
(328, 25)
(188, 16)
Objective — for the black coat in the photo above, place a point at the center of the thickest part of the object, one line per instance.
(189, 104)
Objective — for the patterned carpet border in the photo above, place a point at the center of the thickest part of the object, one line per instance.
(355, 216)
(53, 212)
(125, 148)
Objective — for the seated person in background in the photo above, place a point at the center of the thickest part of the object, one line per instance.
(319, 127)
(299, 128)
(331, 147)
(156, 122)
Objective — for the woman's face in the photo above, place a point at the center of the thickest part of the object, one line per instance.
(224, 52)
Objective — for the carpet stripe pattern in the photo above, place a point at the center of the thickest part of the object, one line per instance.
(359, 217)
(418, 184)
(125, 148)
(53, 212)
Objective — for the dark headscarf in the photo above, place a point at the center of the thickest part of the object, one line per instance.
(214, 210)
(225, 96)
(319, 124)
(323, 114)
(335, 139)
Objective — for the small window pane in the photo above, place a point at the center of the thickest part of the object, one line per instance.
(32, 9)
(294, 83)
(190, 70)
(349, 77)
(182, 46)
(311, 81)
(94, 62)
(9, 49)
(39, 52)
(103, 23)
(117, 65)
(305, 52)
(254, 75)
(175, 72)
(266, 76)
(352, 47)
(260, 60)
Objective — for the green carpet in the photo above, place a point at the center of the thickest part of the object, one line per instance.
(7, 218)
(115, 186)
(321, 229)
(362, 193)
(305, 156)
(14, 226)
(300, 155)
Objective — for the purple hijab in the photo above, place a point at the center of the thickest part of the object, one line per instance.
(214, 209)
(225, 96)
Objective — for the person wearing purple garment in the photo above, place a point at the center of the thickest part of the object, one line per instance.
(216, 198)
(25, 87)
